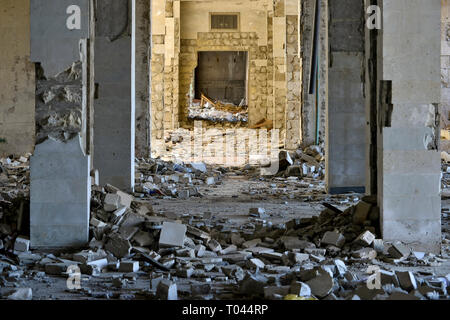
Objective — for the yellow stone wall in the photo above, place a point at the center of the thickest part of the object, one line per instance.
(268, 31)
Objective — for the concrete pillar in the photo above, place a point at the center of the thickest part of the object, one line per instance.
(60, 195)
(60, 182)
(346, 121)
(114, 116)
(408, 100)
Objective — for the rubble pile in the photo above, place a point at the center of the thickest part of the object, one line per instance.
(217, 111)
(337, 255)
(173, 180)
(308, 162)
(201, 257)
(14, 198)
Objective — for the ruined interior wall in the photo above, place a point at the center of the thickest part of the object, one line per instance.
(17, 79)
(181, 28)
(445, 64)
(252, 37)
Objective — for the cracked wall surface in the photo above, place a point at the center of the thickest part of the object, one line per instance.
(17, 78)
(59, 104)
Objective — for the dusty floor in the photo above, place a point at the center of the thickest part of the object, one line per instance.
(230, 202)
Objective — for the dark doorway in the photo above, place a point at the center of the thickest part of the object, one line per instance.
(222, 75)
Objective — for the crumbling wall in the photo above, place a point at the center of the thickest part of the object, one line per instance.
(59, 104)
(16, 78)
(226, 41)
(181, 29)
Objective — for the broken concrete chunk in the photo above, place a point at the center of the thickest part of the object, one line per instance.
(295, 171)
(315, 251)
(300, 289)
(258, 212)
(233, 271)
(365, 254)
(97, 223)
(129, 266)
(256, 263)
(407, 280)
(296, 257)
(214, 245)
(125, 199)
(230, 249)
(251, 243)
(361, 213)
(172, 235)
(118, 246)
(200, 166)
(167, 290)
(333, 238)
(321, 285)
(111, 202)
(284, 160)
(399, 251)
(253, 284)
(94, 267)
(378, 245)
(200, 250)
(291, 243)
(197, 233)
(118, 213)
(340, 266)
(55, 269)
(236, 239)
(387, 277)
(366, 238)
(143, 239)
(21, 294)
(22, 244)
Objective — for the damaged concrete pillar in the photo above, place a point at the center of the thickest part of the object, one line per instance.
(60, 182)
(408, 99)
(346, 120)
(60, 194)
(114, 116)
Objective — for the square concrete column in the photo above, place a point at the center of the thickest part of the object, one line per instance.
(346, 119)
(60, 182)
(60, 195)
(114, 116)
(408, 100)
